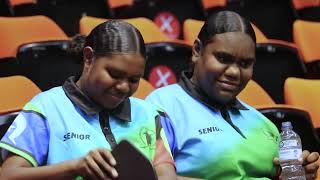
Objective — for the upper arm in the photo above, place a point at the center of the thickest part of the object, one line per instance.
(13, 161)
(27, 137)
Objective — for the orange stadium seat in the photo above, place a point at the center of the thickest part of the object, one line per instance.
(144, 89)
(119, 3)
(255, 95)
(307, 9)
(306, 36)
(23, 7)
(211, 6)
(16, 91)
(304, 93)
(17, 31)
(36, 48)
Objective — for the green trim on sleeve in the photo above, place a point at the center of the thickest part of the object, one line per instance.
(19, 152)
(32, 107)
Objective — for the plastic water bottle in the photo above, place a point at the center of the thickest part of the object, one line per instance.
(290, 154)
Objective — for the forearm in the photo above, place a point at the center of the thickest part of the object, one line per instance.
(166, 171)
(63, 170)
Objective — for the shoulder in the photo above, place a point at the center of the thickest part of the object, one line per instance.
(166, 95)
(143, 105)
(56, 92)
(137, 103)
(166, 91)
(39, 102)
(259, 116)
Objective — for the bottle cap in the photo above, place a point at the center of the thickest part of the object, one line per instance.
(286, 124)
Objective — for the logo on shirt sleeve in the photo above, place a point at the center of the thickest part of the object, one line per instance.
(147, 137)
(16, 129)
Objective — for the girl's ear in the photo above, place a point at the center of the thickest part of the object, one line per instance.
(196, 50)
(87, 55)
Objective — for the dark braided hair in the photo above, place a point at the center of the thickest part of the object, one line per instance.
(222, 22)
(110, 37)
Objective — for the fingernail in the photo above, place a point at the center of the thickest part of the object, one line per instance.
(114, 173)
(113, 162)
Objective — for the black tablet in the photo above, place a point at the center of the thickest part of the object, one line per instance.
(131, 163)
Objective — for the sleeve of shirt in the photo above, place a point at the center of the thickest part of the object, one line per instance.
(162, 153)
(165, 122)
(28, 136)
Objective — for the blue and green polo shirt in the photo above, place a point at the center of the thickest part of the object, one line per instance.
(63, 123)
(214, 142)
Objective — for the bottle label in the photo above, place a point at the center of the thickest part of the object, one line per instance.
(288, 143)
(289, 154)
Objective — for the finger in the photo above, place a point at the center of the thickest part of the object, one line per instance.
(104, 164)
(276, 161)
(89, 174)
(305, 154)
(312, 167)
(108, 156)
(93, 166)
(311, 176)
(313, 157)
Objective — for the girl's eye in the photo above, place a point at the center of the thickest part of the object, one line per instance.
(224, 58)
(134, 80)
(245, 63)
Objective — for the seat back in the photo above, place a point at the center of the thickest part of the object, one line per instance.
(191, 29)
(144, 89)
(16, 91)
(306, 35)
(254, 95)
(113, 4)
(38, 49)
(16, 31)
(274, 64)
(211, 7)
(307, 9)
(24, 7)
(304, 93)
(149, 31)
(165, 62)
(298, 4)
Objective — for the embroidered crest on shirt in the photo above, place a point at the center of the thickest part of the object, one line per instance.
(147, 137)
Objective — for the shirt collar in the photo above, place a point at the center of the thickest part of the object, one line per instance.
(74, 93)
(199, 95)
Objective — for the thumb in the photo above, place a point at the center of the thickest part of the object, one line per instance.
(276, 161)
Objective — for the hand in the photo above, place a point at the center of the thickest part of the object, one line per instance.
(97, 164)
(310, 163)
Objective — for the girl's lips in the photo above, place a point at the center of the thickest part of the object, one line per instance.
(227, 85)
